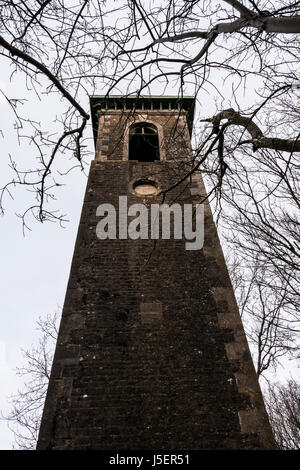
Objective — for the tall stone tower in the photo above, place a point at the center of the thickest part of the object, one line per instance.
(151, 352)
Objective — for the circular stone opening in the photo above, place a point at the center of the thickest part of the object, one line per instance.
(145, 188)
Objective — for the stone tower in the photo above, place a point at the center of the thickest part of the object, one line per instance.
(151, 352)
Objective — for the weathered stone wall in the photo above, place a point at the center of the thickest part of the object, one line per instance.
(151, 352)
(113, 133)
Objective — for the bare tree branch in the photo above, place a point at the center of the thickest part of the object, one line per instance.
(258, 139)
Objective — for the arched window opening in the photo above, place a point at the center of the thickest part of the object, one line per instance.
(143, 142)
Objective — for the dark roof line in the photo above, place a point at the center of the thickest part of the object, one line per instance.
(142, 103)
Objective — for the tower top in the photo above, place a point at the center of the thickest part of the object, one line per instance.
(141, 103)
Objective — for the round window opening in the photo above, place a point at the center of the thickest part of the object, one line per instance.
(145, 188)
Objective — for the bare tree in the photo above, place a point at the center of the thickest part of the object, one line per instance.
(27, 404)
(271, 325)
(75, 48)
(257, 206)
(283, 404)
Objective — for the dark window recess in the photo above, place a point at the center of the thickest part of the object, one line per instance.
(143, 142)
